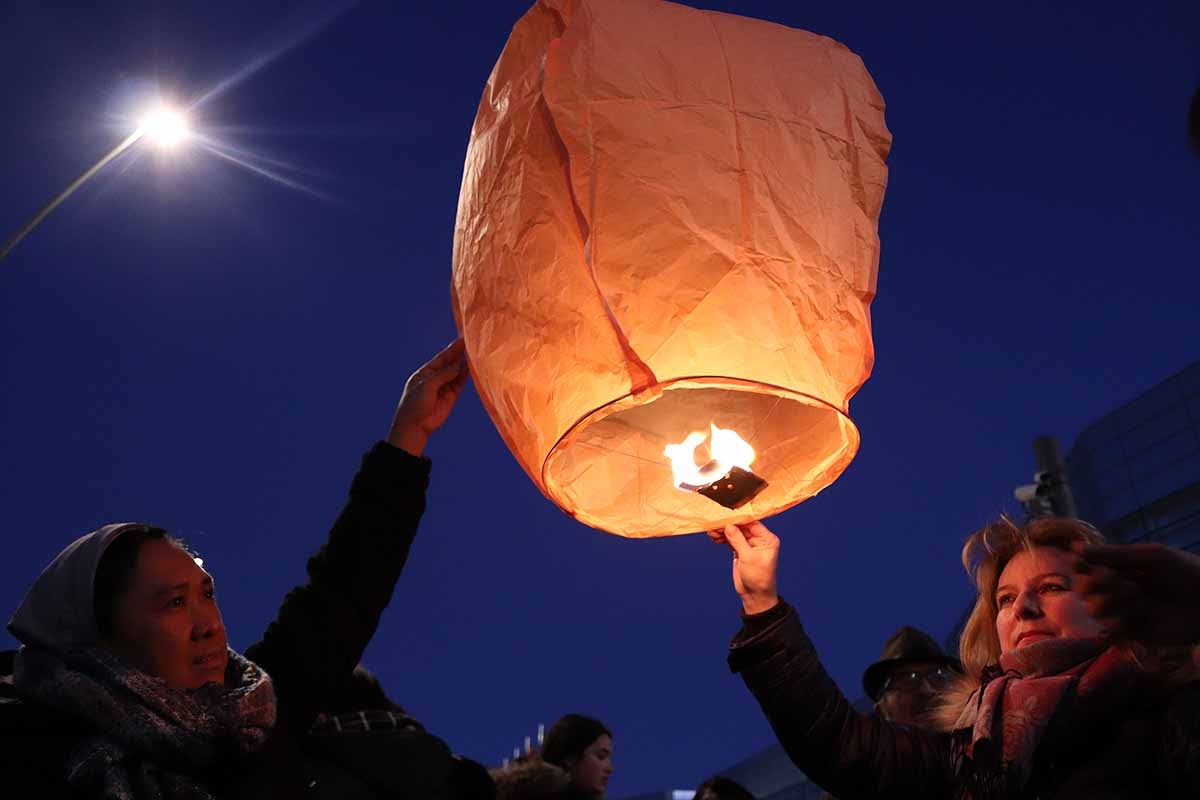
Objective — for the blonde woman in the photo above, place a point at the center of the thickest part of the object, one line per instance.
(1081, 675)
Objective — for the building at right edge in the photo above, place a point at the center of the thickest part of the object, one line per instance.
(1135, 472)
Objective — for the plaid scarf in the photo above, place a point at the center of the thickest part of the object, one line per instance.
(152, 740)
(1008, 717)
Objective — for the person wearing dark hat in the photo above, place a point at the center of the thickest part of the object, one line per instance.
(904, 683)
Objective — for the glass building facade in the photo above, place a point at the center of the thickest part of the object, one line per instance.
(1135, 472)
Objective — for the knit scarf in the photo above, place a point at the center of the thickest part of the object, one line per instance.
(152, 741)
(1007, 718)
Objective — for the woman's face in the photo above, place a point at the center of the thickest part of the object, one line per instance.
(590, 772)
(167, 623)
(1036, 600)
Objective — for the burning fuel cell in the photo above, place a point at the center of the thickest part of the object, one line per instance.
(726, 478)
(735, 489)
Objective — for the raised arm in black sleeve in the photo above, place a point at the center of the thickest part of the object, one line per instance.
(850, 754)
(324, 625)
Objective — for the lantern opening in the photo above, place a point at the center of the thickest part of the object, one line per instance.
(610, 469)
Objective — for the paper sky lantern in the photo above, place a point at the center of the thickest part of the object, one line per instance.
(668, 229)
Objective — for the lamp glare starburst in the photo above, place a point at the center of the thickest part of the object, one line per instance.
(164, 127)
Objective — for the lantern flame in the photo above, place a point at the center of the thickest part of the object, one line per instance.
(728, 451)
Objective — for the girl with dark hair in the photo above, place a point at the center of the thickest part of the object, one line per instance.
(583, 747)
(125, 684)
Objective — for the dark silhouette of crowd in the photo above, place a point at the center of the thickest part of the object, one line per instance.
(1078, 672)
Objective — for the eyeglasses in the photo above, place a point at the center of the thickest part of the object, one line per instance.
(906, 680)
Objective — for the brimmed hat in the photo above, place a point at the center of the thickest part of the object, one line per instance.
(906, 644)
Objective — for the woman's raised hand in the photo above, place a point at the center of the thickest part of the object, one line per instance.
(755, 559)
(1148, 592)
(429, 395)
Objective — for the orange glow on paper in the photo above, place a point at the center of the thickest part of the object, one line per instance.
(657, 232)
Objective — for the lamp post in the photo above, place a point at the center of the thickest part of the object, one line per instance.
(1050, 493)
(163, 126)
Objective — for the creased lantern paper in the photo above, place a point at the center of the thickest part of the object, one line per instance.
(668, 219)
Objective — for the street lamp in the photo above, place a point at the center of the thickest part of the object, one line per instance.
(165, 127)
(162, 126)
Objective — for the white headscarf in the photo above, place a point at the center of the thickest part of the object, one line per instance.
(59, 610)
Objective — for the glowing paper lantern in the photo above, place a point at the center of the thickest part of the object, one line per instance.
(668, 220)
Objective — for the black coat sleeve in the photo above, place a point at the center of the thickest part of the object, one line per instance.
(1180, 749)
(850, 754)
(324, 625)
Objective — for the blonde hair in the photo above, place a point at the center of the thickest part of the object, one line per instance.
(985, 554)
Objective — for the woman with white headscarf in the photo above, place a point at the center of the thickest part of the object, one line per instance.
(125, 686)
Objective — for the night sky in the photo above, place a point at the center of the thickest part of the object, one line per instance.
(189, 342)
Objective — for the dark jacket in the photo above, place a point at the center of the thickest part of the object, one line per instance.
(309, 649)
(373, 754)
(365, 765)
(1148, 748)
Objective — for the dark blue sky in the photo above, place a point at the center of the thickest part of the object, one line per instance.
(189, 343)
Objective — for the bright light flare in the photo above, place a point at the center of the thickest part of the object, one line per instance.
(164, 127)
(727, 450)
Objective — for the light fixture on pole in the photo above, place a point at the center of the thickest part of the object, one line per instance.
(163, 126)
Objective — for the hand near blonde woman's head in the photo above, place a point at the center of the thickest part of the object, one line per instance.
(755, 560)
(1147, 592)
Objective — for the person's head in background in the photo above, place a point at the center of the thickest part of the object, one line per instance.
(583, 747)
(906, 681)
(719, 787)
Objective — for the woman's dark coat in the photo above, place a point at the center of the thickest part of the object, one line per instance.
(1147, 747)
(309, 649)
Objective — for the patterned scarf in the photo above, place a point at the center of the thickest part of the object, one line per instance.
(1006, 719)
(154, 740)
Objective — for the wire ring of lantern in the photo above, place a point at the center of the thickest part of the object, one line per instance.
(569, 494)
